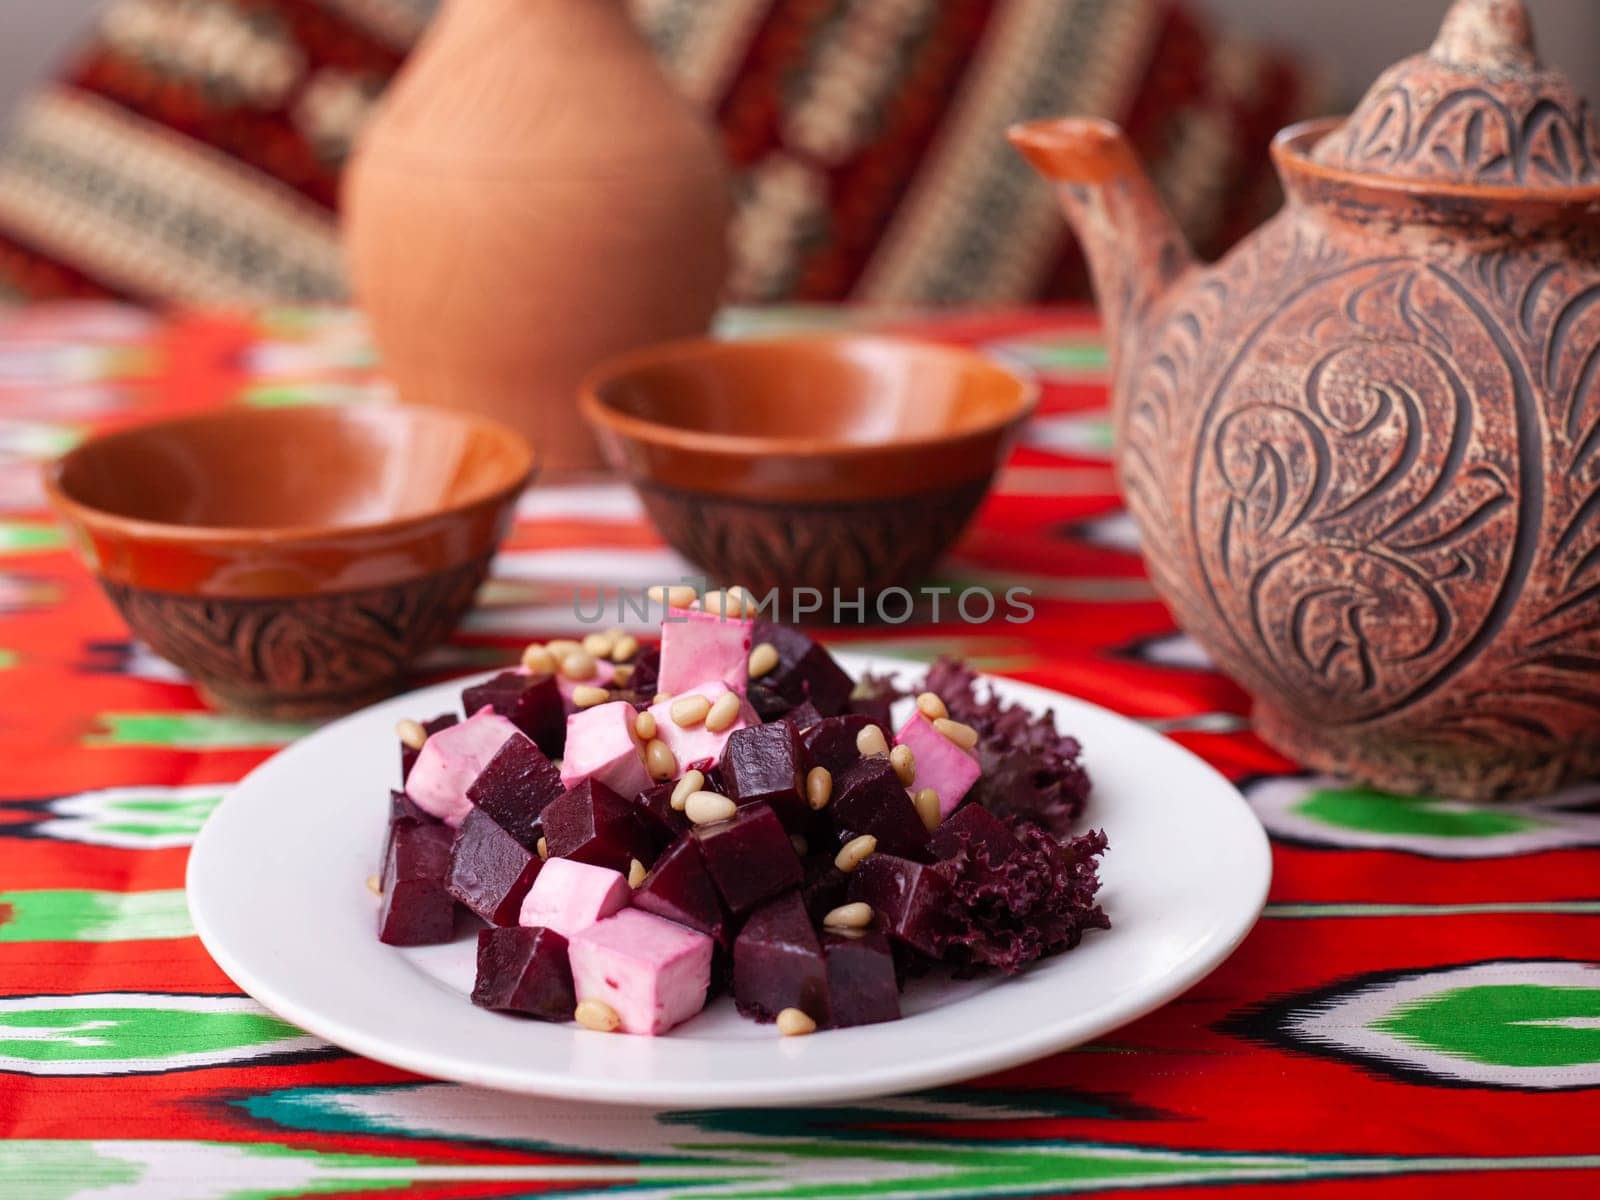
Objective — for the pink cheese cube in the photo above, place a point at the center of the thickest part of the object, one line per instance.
(451, 759)
(601, 745)
(702, 646)
(696, 745)
(941, 764)
(570, 896)
(603, 671)
(654, 972)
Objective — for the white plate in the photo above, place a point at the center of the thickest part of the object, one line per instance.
(277, 887)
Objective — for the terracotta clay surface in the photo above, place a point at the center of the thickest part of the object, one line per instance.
(826, 461)
(532, 196)
(1363, 450)
(293, 560)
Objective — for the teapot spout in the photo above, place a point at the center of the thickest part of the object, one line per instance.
(1134, 247)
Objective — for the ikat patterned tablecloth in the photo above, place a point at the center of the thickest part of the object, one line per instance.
(1418, 1013)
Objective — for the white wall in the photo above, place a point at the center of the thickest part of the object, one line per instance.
(1357, 39)
(33, 36)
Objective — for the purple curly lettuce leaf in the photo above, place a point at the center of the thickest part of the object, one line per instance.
(1038, 899)
(1031, 773)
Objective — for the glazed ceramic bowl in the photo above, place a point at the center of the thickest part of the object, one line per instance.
(832, 462)
(293, 561)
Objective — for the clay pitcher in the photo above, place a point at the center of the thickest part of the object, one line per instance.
(532, 197)
(1363, 449)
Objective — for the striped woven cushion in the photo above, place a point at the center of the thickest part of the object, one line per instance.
(192, 152)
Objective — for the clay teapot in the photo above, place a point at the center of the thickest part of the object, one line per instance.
(1363, 449)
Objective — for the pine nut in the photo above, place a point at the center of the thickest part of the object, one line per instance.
(690, 710)
(855, 852)
(599, 644)
(723, 713)
(801, 846)
(927, 805)
(537, 660)
(871, 741)
(584, 696)
(849, 916)
(660, 698)
(692, 782)
(819, 788)
(645, 726)
(596, 1015)
(707, 808)
(411, 733)
(733, 604)
(625, 648)
(763, 659)
(636, 872)
(579, 665)
(544, 848)
(964, 736)
(794, 1023)
(622, 676)
(561, 647)
(930, 706)
(680, 595)
(659, 760)
(904, 762)
(374, 885)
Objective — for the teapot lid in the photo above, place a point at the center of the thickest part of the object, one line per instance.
(1478, 108)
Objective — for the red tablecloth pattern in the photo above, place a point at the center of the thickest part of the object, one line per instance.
(1417, 1014)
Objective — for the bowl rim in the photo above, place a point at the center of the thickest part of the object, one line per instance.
(597, 412)
(145, 529)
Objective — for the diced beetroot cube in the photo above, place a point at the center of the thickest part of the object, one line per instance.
(868, 797)
(763, 764)
(695, 745)
(417, 910)
(646, 671)
(803, 715)
(874, 701)
(665, 823)
(451, 759)
(861, 977)
(524, 971)
(778, 963)
(570, 896)
(408, 756)
(653, 972)
(973, 825)
(490, 871)
(805, 671)
(750, 857)
(401, 809)
(515, 786)
(601, 745)
(825, 887)
(679, 888)
(700, 646)
(910, 900)
(941, 764)
(530, 702)
(831, 742)
(593, 824)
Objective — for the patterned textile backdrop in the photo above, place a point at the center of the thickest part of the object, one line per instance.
(192, 152)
